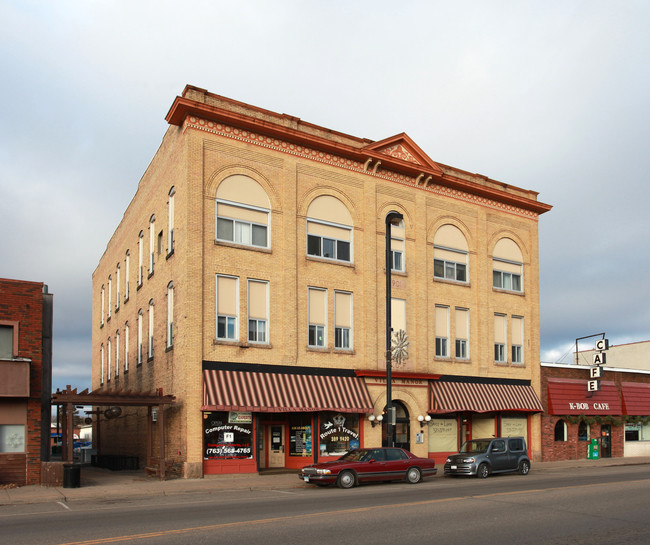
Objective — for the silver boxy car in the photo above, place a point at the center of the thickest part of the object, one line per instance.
(481, 457)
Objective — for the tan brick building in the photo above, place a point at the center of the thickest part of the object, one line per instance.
(247, 278)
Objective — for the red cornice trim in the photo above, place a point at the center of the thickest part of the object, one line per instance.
(183, 107)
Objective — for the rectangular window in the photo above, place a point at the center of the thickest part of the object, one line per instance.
(329, 241)
(500, 338)
(317, 317)
(442, 331)
(517, 339)
(12, 438)
(117, 287)
(397, 247)
(117, 353)
(342, 320)
(103, 299)
(110, 295)
(258, 314)
(227, 304)
(6, 342)
(150, 336)
(108, 359)
(127, 270)
(139, 355)
(152, 240)
(101, 360)
(242, 225)
(126, 347)
(449, 264)
(140, 272)
(461, 325)
(506, 275)
(170, 222)
(170, 315)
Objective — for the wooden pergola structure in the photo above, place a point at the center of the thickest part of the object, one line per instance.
(69, 398)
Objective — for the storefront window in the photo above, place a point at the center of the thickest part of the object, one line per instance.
(443, 435)
(514, 426)
(483, 427)
(300, 435)
(338, 433)
(583, 431)
(227, 436)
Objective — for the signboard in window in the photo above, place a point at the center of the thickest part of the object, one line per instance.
(338, 434)
(300, 440)
(224, 440)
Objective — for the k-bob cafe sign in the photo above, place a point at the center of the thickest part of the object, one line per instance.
(571, 398)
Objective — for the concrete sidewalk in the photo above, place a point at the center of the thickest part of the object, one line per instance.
(103, 484)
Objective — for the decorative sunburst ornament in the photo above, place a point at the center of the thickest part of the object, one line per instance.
(400, 347)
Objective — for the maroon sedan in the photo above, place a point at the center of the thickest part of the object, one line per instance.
(367, 465)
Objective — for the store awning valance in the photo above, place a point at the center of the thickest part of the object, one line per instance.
(636, 398)
(453, 396)
(227, 390)
(570, 397)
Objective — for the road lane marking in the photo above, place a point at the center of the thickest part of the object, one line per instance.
(179, 531)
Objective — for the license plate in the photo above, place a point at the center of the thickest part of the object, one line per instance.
(454, 467)
(306, 479)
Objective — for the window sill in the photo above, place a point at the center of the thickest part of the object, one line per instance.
(169, 348)
(452, 282)
(227, 342)
(330, 261)
(243, 246)
(169, 254)
(443, 358)
(348, 351)
(501, 363)
(149, 359)
(319, 349)
(510, 292)
(150, 275)
(255, 345)
(462, 361)
(126, 299)
(117, 308)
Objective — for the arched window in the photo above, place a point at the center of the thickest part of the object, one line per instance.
(126, 347)
(242, 212)
(583, 431)
(397, 236)
(560, 430)
(127, 270)
(450, 254)
(101, 359)
(117, 353)
(170, 223)
(507, 266)
(170, 315)
(152, 242)
(329, 229)
(140, 273)
(103, 305)
(139, 354)
(150, 335)
(108, 359)
(117, 287)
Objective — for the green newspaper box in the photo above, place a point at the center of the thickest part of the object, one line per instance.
(592, 450)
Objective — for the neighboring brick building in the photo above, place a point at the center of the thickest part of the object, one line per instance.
(247, 278)
(617, 416)
(25, 379)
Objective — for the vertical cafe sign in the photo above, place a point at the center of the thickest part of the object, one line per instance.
(227, 435)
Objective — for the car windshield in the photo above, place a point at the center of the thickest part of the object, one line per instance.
(358, 455)
(475, 447)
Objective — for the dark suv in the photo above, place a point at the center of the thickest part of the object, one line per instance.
(481, 457)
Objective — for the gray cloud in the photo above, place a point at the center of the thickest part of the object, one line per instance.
(546, 96)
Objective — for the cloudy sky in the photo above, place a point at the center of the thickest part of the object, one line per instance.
(546, 95)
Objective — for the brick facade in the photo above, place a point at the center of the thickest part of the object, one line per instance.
(21, 307)
(573, 448)
(211, 138)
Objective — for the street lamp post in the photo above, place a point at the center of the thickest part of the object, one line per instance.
(392, 218)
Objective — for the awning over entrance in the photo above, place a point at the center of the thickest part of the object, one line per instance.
(570, 397)
(257, 391)
(636, 398)
(479, 397)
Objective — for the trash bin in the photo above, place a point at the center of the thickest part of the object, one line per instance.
(71, 475)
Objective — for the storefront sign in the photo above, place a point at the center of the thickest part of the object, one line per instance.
(570, 397)
(223, 440)
(338, 434)
(235, 417)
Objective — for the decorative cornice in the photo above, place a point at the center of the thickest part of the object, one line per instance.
(369, 160)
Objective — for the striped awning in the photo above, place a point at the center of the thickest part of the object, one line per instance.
(226, 390)
(451, 397)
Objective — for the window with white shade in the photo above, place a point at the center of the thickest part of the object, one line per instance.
(126, 347)
(139, 354)
(103, 304)
(170, 315)
(398, 314)
(441, 327)
(170, 221)
(342, 320)
(150, 335)
(317, 318)
(397, 247)
(258, 311)
(242, 212)
(500, 338)
(152, 242)
(140, 265)
(450, 254)
(227, 305)
(102, 363)
(517, 340)
(461, 327)
(127, 271)
(117, 353)
(329, 229)
(507, 266)
(117, 286)
(110, 295)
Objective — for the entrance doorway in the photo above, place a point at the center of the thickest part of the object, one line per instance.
(606, 441)
(275, 445)
(401, 430)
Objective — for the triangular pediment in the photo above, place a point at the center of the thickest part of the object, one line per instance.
(403, 148)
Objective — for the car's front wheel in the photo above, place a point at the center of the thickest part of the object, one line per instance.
(413, 475)
(524, 467)
(346, 479)
(483, 471)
